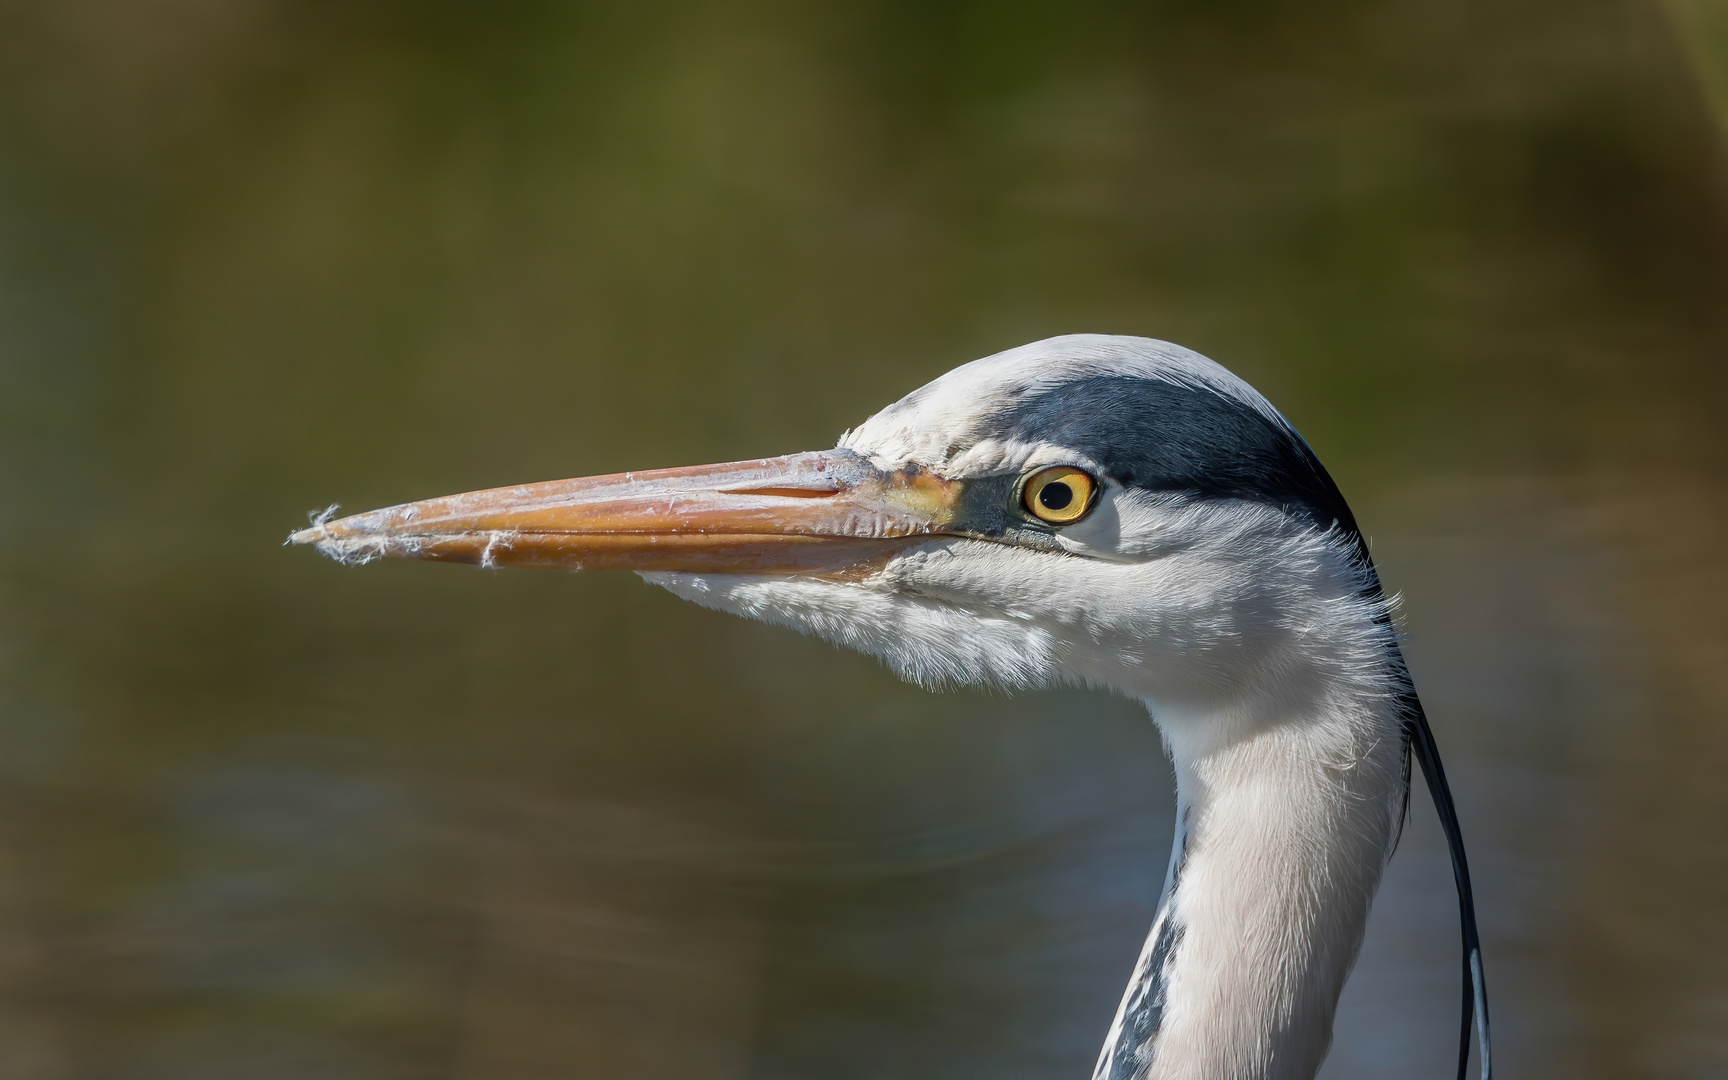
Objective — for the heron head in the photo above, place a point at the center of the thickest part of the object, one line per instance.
(1088, 509)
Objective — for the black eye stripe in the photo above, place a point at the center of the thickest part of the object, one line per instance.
(1168, 435)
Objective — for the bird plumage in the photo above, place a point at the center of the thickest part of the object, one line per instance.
(1219, 580)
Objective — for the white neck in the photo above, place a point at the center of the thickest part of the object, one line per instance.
(1282, 832)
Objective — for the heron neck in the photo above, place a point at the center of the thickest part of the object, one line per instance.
(1283, 826)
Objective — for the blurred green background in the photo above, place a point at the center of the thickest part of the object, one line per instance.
(262, 816)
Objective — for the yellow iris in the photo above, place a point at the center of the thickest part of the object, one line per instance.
(1060, 495)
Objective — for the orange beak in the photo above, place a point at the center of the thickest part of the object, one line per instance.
(806, 513)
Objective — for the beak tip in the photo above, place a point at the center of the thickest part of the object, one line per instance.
(340, 545)
(318, 529)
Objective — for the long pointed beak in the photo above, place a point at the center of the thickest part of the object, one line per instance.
(807, 513)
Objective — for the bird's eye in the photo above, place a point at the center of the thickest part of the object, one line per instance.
(1059, 495)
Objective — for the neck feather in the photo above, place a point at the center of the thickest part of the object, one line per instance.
(1283, 829)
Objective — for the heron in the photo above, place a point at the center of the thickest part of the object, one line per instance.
(1092, 510)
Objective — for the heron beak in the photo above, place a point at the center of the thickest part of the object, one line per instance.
(806, 513)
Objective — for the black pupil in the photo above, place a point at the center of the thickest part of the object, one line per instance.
(1055, 495)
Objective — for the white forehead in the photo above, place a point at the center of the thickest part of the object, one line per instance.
(952, 415)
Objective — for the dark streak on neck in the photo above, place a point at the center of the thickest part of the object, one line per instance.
(1148, 992)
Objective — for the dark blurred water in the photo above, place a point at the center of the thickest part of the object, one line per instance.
(261, 816)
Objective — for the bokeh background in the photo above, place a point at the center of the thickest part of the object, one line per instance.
(262, 816)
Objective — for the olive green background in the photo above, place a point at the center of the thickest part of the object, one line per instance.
(263, 816)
